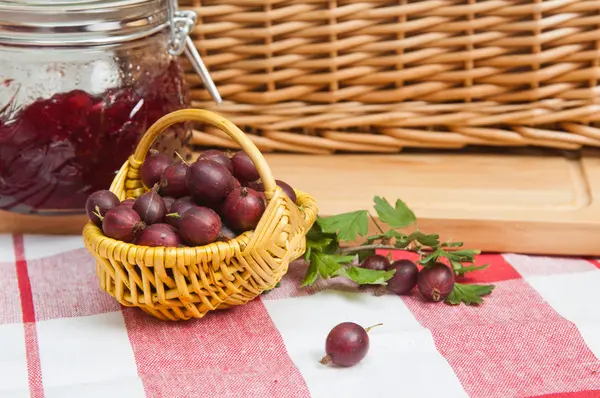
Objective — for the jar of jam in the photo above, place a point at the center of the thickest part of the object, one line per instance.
(80, 82)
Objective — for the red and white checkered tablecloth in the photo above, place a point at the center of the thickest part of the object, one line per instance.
(538, 334)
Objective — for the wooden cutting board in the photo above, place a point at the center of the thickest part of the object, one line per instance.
(527, 202)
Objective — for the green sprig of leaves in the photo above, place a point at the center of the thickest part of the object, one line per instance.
(328, 260)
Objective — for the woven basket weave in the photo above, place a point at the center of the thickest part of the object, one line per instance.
(181, 283)
(320, 76)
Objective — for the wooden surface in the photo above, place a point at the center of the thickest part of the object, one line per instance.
(18, 223)
(529, 203)
(509, 203)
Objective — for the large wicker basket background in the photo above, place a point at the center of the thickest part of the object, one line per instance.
(320, 76)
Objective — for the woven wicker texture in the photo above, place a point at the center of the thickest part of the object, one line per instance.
(181, 283)
(374, 75)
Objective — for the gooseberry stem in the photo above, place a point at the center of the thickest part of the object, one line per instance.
(371, 327)
(97, 213)
(326, 360)
(182, 159)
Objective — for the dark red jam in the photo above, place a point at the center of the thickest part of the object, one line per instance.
(56, 151)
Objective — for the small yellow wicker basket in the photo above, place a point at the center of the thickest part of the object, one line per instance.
(181, 283)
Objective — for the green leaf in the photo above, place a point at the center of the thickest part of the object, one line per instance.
(319, 245)
(315, 234)
(366, 276)
(460, 270)
(325, 265)
(403, 241)
(346, 225)
(452, 244)
(328, 264)
(399, 216)
(400, 240)
(468, 294)
(432, 257)
(463, 255)
(431, 240)
(389, 234)
(317, 240)
(307, 253)
(312, 273)
(456, 256)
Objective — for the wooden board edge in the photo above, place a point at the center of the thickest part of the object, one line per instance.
(534, 238)
(12, 223)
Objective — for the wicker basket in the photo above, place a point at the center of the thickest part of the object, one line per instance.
(320, 76)
(183, 283)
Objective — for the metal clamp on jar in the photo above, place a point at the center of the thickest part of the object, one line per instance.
(80, 82)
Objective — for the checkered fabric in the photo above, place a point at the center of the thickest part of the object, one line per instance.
(538, 334)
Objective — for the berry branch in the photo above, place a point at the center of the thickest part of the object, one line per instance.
(369, 247)
(328, 259)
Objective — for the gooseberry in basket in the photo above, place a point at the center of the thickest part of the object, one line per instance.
(98, 203)
(436, 282)
(243, 209)
(122, 223)
(168, 202)
(158, 235)
(178, 209)
(209, 182)
(218, 157)
(243, 167)
(151, 207)
(153, 168)
(405, 277)
(226, 233)
(236, 183)
(285, 187)
(347, 344)
(199, 226)
(127, 203)
(173, 181)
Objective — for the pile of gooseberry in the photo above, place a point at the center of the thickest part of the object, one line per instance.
(435, 282)
(215, 198)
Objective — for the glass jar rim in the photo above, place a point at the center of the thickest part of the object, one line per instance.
(61, 23)
(75, 23)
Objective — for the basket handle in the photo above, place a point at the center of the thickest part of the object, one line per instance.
(215, 120)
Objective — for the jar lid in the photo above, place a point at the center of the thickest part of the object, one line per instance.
(80, 22)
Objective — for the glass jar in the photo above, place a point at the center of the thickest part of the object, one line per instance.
(80, 82)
